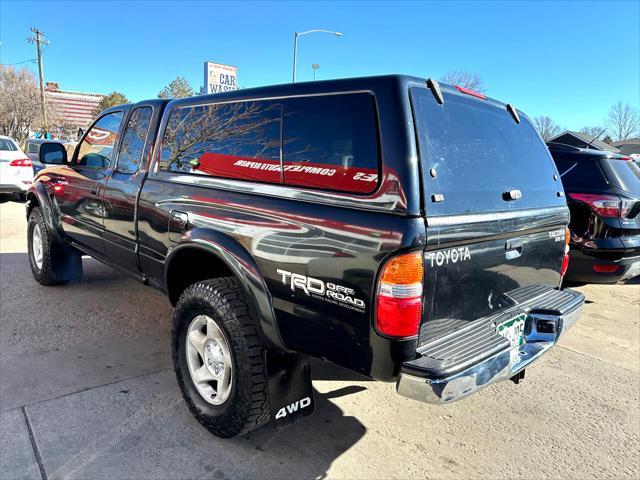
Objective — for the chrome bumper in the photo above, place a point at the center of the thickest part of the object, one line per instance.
(494, 369)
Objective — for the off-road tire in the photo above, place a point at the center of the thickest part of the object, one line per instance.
(247, 406)
(46, 274)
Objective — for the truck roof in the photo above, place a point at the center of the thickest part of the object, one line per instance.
(375, 83)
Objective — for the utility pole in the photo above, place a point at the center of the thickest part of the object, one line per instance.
(39, 41)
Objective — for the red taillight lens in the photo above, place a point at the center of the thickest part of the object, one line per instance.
(565, 257)
(565, 265)
(20, 162)
(604, 205)
(606, 268)
(399, 298)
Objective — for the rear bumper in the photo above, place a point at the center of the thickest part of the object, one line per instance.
(14, 188)
(581, 268)
(438, 378)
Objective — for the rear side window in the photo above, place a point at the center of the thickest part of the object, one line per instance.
(584, 174)
(472, 152)
(133, 140)
(325, 142)
(232, 140)
(330, 142)
(7, 145)
(624, 174)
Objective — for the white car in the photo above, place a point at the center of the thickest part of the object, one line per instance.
(16, 171)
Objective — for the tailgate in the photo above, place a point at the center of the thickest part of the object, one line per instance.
(494, 205)
(475, 268)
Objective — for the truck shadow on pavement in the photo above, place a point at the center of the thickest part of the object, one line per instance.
(94, 376)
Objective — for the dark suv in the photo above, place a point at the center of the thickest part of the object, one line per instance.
(603, 193)
(411, 232)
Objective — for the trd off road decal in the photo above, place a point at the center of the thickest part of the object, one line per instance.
(327, 291)
(451, 255)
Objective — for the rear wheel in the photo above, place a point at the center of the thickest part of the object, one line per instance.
(219, 359)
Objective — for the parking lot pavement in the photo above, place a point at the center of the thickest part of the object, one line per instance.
(86, 391)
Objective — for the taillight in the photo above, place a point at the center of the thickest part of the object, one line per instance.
(565, 257)
(604, 205)
(20, 162)
(399, 296)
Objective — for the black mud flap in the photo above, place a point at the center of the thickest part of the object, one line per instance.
(290, 389)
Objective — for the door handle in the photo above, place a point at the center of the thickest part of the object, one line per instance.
(513, 248)
(178, 222)
(95, 189)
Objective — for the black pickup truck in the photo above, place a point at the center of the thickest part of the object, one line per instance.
(412, 232)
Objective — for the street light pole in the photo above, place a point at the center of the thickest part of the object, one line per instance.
(295, 44)
(315, 67)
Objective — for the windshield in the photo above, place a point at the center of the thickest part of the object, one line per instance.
(473, 151)
(624, 174)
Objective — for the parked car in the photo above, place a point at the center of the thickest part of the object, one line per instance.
(32, 147)
(411, 232)
(603, 193)
(16, 173)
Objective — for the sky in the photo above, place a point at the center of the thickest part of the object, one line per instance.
(568, 60)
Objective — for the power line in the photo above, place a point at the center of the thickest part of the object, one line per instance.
(18, 63)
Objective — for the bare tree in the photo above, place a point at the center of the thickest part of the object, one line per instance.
(546, 127)
(463, 78)
(20, 108)
(595, 132)
(623, 121)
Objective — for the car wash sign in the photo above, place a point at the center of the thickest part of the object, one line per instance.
(220, 78)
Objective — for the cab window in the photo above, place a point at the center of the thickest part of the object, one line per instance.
(133, 140)
(96, 149)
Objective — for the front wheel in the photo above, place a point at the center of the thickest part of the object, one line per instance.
(219, 359)
(46, 269)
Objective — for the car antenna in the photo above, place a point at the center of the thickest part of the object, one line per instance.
(595, 137)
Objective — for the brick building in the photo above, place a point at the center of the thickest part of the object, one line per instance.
(74, 110)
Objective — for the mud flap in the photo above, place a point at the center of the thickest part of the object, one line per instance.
(290, 389)
(66, 262)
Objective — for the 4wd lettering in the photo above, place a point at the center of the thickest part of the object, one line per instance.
(341, 295)
(452, 255)
(293, 407)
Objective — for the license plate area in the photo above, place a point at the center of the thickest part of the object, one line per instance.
(513, 330)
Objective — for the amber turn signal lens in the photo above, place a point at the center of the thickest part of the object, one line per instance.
(403, 270)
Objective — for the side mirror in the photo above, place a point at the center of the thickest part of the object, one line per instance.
(52, 153)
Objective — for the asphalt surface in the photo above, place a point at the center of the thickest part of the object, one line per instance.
(87, 391)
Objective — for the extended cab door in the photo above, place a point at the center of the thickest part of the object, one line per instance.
(123, 185)
(80, 200)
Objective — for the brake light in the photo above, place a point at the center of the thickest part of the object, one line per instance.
(565, 257)
(473, 93)
(604, 205)
(399, 298)
(20, 162)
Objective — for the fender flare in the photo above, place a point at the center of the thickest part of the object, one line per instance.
(49, 210)
(244, 268)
